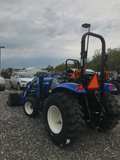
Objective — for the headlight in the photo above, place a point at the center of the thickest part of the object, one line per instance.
(23, 81)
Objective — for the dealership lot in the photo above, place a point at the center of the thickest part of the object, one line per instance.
(24, 138)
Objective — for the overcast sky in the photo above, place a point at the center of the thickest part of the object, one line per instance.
(47, 32)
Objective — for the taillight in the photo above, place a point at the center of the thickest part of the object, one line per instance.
(112, 86)
(79, 87)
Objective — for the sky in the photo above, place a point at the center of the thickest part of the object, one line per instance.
(38, 33)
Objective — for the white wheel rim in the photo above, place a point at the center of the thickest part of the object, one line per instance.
(54, 118)
(28, 108)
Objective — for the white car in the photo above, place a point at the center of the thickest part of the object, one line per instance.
(2, 83)
(19, 80)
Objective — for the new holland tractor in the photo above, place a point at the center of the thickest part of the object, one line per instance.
(68, 103)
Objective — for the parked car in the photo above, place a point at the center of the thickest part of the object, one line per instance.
(19, 80)
(2, 83)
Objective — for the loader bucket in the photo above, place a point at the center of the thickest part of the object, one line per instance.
(14, 99)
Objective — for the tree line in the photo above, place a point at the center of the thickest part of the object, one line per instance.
(112, 62)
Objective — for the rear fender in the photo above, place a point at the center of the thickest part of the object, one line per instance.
(68, 88)
(107, 88)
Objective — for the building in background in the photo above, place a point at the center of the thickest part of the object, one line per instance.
(33, 70)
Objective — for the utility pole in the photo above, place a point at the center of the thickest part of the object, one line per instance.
(0, 56)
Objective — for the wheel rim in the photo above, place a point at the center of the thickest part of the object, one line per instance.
(54, 118)
(28, 108)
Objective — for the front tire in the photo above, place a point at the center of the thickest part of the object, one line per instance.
(18, 87)
(31, 106)
(63, 118)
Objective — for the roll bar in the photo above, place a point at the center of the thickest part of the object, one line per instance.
(84, 53)
(71, 60)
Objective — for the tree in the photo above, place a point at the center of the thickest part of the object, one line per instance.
(60, 68)
(113, 58)
(113, 61)
(50, 68)
(96, 58)
(75, 65)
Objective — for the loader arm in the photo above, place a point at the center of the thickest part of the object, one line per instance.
(37, 90)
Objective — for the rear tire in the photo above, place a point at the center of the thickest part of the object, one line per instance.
(31, 106)
(110, 119)
(63, 118)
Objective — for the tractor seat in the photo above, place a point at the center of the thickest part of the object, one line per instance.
(55, 81)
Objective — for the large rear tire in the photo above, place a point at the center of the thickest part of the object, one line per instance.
(63, 118)
(107, 113)
(31, 106)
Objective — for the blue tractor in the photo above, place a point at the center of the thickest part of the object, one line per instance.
(69, 102)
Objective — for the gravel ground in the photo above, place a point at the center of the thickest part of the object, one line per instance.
(24, 138)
